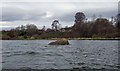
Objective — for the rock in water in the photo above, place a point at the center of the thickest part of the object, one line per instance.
(60, 42)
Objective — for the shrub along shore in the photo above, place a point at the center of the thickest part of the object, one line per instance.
(64, 38)
(83, 29)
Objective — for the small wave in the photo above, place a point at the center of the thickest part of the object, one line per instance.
(95, 64)
(78, 63)
(6, 55)
(81, 63)
(25, 68)
(53, 54)
(7, 52)
(86, 67)
(83, 67)
(70, 61)
(85, 53)
(17, 53)
(110, 65)
(31, 52)
(118, 66)
(3, 61)
(25, 44)
(49, 54)
(24, 53)
(58, 54)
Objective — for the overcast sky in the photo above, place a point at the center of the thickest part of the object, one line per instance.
(18, 12)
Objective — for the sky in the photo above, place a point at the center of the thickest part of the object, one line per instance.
(42, 12)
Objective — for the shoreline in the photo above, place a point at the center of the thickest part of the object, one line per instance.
(68, 39)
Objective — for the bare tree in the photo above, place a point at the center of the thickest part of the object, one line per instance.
(43, 28)
(94, 17)
(22, 27)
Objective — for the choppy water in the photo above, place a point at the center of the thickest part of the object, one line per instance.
(37, 54)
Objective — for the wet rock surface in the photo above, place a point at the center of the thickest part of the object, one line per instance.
(60, 42)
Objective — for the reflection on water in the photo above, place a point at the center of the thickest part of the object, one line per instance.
(36, 54)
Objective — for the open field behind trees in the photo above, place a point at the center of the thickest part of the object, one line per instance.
(98, 28)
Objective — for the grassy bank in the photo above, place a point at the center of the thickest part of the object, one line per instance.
(90, 38)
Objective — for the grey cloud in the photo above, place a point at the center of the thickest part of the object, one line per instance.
(103, 13)
(68, 17)
(11, 14)
(17, 14)
(89, 14)
(14, 13)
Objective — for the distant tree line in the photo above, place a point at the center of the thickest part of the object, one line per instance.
(96, 28)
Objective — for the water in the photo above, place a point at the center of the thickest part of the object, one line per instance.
(37, 54)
